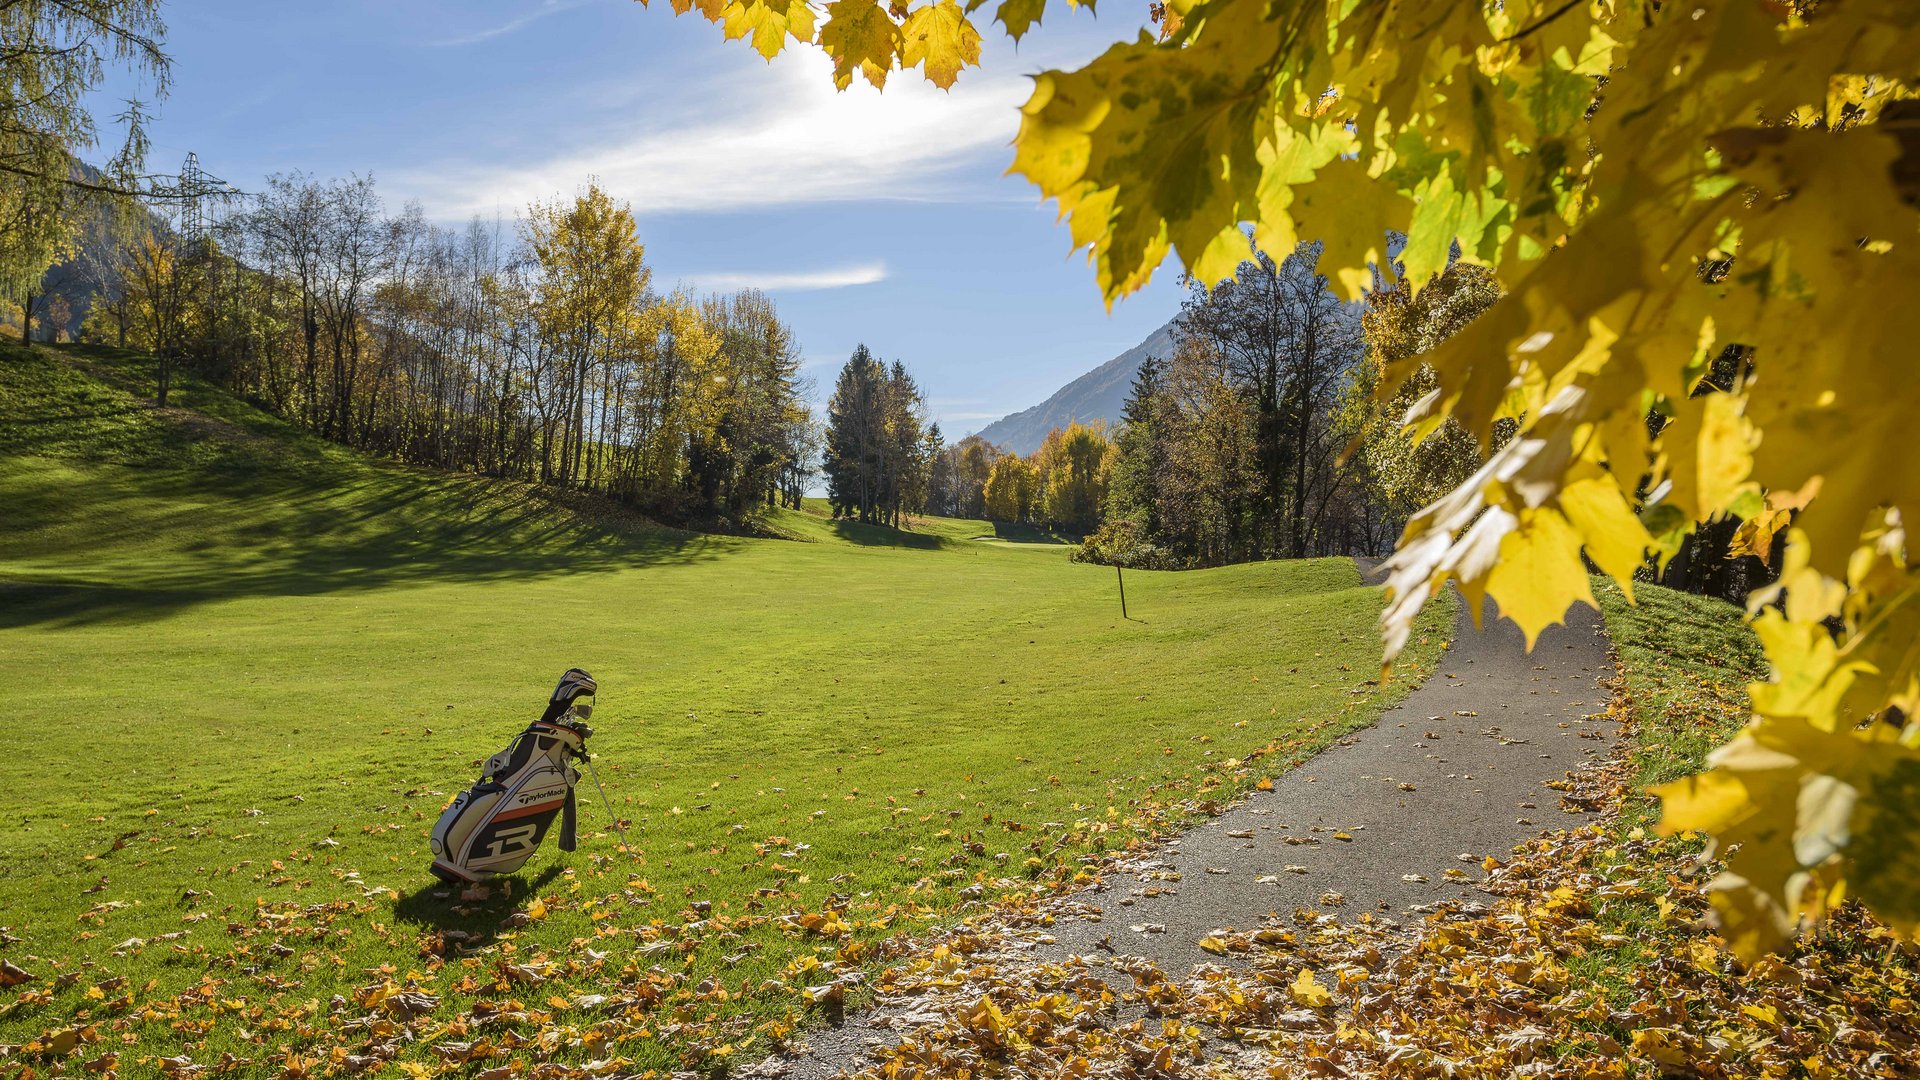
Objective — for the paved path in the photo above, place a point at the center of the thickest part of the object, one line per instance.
(1457, 769)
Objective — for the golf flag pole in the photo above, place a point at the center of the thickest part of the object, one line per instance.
(1121, 576)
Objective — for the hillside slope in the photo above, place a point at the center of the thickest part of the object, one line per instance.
(213, 497)
(1097, 395)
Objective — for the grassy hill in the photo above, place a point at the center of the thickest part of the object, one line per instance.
(243, 669)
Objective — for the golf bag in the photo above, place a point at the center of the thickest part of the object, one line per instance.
(494, 827)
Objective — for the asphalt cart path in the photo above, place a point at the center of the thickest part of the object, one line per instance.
(1392, 819)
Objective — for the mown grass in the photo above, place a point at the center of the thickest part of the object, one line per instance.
(1685, 662)
(243, 670)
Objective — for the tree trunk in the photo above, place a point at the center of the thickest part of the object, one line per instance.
(1301, 442)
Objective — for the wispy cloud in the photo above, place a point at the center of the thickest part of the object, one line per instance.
(839, 277)
(546, 8)
(780, 137)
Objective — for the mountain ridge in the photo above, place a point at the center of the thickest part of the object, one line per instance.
(1099, 394)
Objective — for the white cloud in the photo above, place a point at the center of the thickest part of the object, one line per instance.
(778, 135)
(789, 281)
(546, 8)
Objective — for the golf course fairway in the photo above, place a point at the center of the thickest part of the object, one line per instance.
(242, 670)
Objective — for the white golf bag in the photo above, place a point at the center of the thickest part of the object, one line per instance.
(494, 827)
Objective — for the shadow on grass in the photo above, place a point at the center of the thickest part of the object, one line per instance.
(438, 905)
(1015, 533)
(142, 513)
(882, 536)
(246, 536)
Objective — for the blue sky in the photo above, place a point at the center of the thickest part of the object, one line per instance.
(878, 218)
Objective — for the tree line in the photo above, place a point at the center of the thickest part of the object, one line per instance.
(885, 460)
(1233, 448)
(535, 350)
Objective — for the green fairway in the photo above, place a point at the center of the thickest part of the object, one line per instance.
(242, 670)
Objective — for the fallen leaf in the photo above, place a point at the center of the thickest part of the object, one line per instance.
(1307, 990)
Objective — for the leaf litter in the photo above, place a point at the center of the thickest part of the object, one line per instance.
(1593, 959)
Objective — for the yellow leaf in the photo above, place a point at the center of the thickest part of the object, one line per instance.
(1019, 15)
(1615, 540)
(1306, 990)
(1726, 452)
(768, 23)
(860, 35)
(1539, 572)
(940, 41)
(1350, 213)
(1664, 1045)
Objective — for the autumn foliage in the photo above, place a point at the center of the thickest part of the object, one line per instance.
(1659, 189)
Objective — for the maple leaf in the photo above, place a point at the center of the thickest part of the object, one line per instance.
(860, 36)
(1019, 16)
(940, 41)
(1350, 213)
(1307, 990)
(768, 23)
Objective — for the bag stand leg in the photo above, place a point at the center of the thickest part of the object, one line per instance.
(604, 801)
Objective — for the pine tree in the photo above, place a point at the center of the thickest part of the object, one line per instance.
(1133, 490)
(856, 438)
(940, 473)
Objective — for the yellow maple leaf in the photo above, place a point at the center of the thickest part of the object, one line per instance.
(940, 41)
(1539, 571)
(768, 23)
(1019, 16)
(1306, 990)
(860, 35)
(1349, 212)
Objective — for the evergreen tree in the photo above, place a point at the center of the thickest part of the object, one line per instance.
(941, 487)
(1133, 490)
(876, 457)
(856, 438)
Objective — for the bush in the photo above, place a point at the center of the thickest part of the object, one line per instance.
(1122, 542)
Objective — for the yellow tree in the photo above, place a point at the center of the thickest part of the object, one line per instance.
(1410, 473)
(54, 57)
(158, 288)
(684, 382)
(1650, 183)
(593, 272)
(1072, 466)
(1011, 485)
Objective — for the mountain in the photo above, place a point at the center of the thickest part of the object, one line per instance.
(1097, 395)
